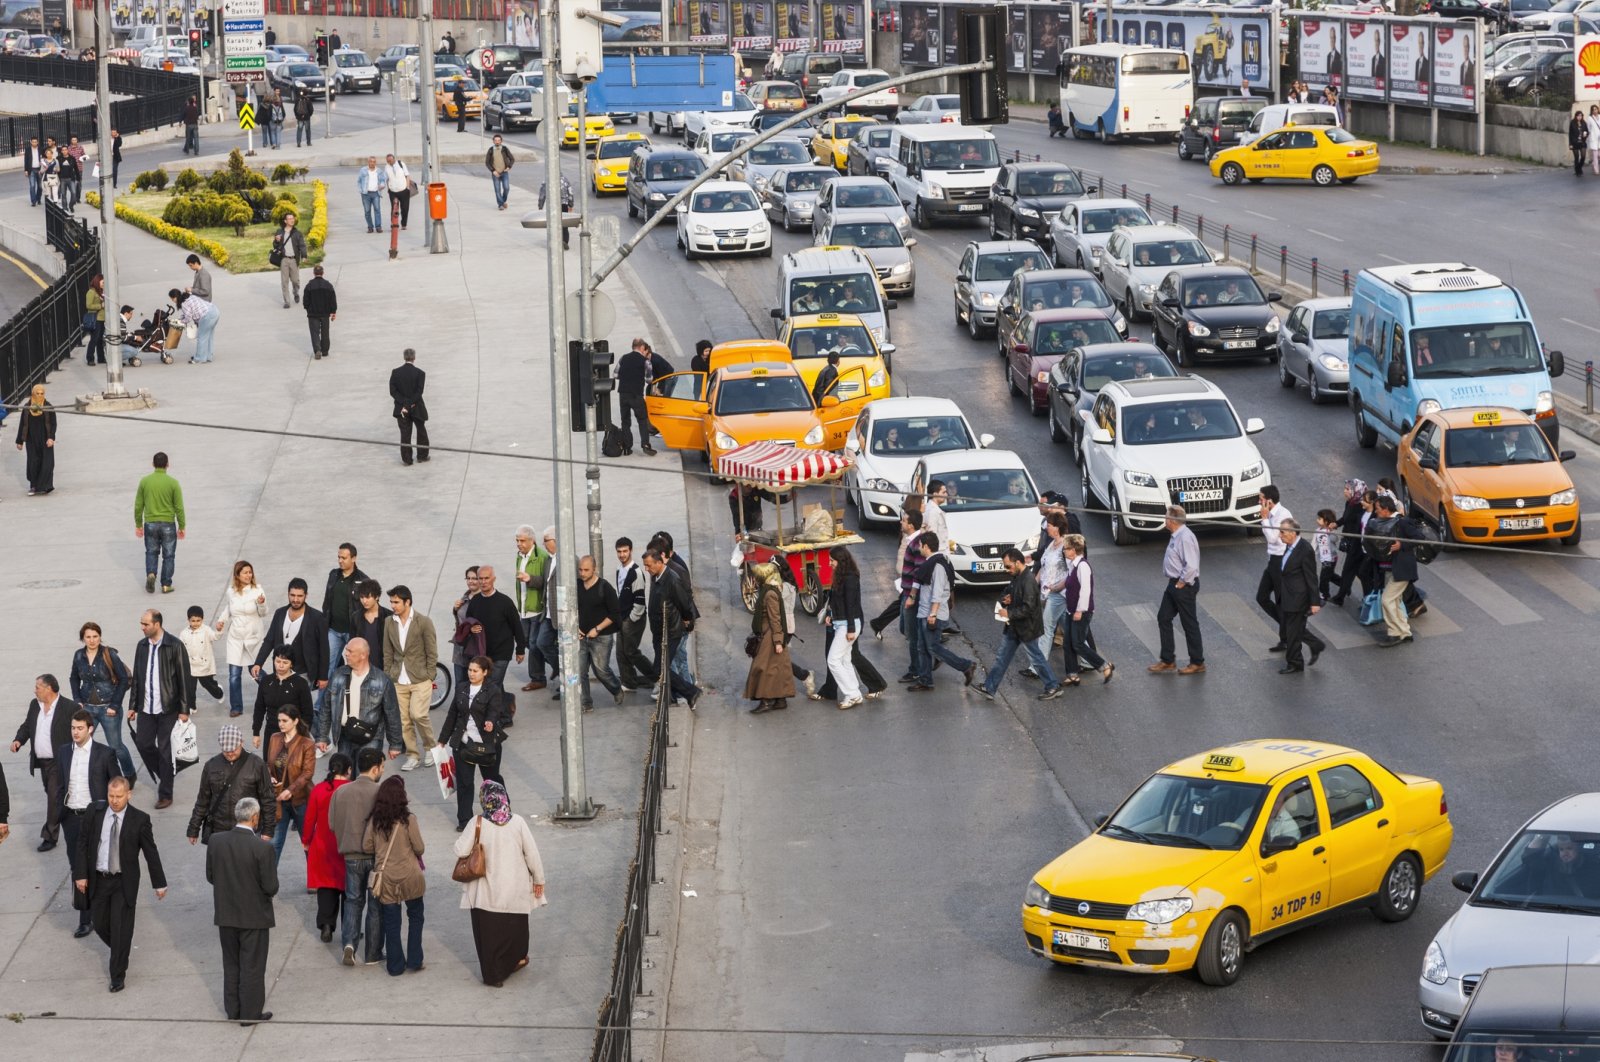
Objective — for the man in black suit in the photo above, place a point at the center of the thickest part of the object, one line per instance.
(304, 630)
(46, 727)
(1335, 56)
(86, 770)
(1298, 597)
(405, 387)
(244, 878)
(109, 844)
(1424, 68)
(158, 699)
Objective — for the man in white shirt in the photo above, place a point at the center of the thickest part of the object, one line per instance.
(86, 770)
(410, 657)
(933, 511)
(1268, 593)
(47, 726)
(113, 835)
(399, 188)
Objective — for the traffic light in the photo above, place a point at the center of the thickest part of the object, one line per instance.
(590, 381)
(322, 49)
(211, 29)
(983, 95)
(194, 43)
(600, 362)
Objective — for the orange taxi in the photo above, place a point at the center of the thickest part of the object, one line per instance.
(444, 96)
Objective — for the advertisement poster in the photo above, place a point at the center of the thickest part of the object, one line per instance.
(642, 25)
(522, 23)
(708, 21)
(1048, 39)
(920, 39)
(1586, 68)
(1319, 44)
(952, 34)
(1455, 68)
(1017, 40)
(1224, 49)
(844, 27)
(1410, 68)
(1366, 62)
(794, 25)
(752, 25)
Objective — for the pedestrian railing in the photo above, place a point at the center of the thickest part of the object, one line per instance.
(156, 99)
(34, 342)
(66, 233)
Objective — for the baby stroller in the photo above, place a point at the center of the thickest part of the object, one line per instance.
(151, 338)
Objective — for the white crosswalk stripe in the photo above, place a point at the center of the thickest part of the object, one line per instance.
(1141, 623)
(1565, 580)
(1482, 591)
(1254, 632)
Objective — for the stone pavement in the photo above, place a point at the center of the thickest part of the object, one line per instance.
(249, 438)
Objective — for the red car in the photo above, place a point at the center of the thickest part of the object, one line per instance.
(1041, 338)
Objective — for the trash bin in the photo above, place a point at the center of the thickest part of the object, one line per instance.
(437, 206)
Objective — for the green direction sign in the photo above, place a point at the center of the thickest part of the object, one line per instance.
(245, 62)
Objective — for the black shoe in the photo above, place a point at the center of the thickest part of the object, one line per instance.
(1419, 610)
(1029, 672)
(45, 846)
(649, 451)
(1338, 600)
(327, 934)
(82, 931)
(920, 687)
(908, 677)
(1390, 643)
(117, 985)
(1281, 647)
(967, 675)
(1290, 669)
(266, 1015)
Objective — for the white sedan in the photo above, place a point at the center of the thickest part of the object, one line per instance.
(713, 145)
(890, 437)
(993, 505)
(932, 110)
(723, 217)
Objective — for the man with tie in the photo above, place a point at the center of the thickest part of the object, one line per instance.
(46, 727)
(86, 772)
(243, 873)
(158, 699)
(109, 843)
(1268, 596)
(1298, 598)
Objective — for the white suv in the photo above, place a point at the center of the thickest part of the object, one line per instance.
(1155, 442)
(885, 102)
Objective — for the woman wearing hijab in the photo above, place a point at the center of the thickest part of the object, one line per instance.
(1351, 523)
(324, 864)
(394, 840)
(477, 714)
(512, 885)
(36, 432)
(770, 682)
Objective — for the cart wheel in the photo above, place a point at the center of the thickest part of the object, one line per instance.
(134, 362)
(749, 589)
(811, 592)
(166, 359)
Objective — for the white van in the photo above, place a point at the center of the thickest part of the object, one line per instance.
(1275, 116)
(942, 171)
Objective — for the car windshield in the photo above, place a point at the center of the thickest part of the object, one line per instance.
(1109, 218)
(1049, 182)
(763, 394)
(834, 294)
(866, 234)
(847, 130)
(1103, 369)
(783, 90)
(1500, 444)
(1476, 350)
(1170, 252)
(617, 149)
(876, 136)
(674, 169)
(1003, 265)
(911, 436)
(517, 95)
(867, 80)
(725, 201)
(291, 49)
(1190, 420)
(1520, 1046)
(988, 489)
(351, 59)
(976, 153)
(1331, 324)
(467, 85)
(1228, 291)
(1081, 292)
(301, 70)
(876, 194)
(1058, 337)
(729, 141)
(1172, 811)
(805, 180)
(741, 102)
(1544, 869)
(851, 341)
(778, 153)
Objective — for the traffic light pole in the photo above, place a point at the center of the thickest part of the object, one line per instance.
(591, 470)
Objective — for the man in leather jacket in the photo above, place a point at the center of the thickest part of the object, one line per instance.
(157, 700)
(671, 610)
(226, 779)
(377, 705)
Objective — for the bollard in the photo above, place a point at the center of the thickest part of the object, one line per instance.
(1225, 254)
(1252, 252)
(1345, 283)
(1200, 226)
(1313, 276)
(1588, 387)
(1124, 190)
(1147, 202)
(1283, 264)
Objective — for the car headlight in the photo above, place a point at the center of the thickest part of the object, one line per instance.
(1119, 322)
(1468, 502)
(726, 441)
(1042, 377)
(1426, 406)
(1160, 912)
(605, 171)
(877, 335)
(1147, 289)
(1094, 252)
(957, 548)
(880, 484)
(701, 230)
(1434, 970)
(1546, 403)
(986, 298)
(935, 191)
(1564, 497)
(814, 436)
(299, 84)
(1514, 82)
(760, 226)
(877, 379)
(657, 197)
(1255, 471)
(902, 268)
(1035, 896)
(1331, 362)
(1138, 479)
(1198, 329)
(1273, 325)
(1028, 212)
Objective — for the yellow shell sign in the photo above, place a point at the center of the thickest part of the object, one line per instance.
(1589, 59)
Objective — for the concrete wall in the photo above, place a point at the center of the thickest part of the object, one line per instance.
(33, 250)
(1519, 132)
(32, 99)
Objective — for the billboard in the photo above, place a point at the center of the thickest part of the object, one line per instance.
(1017, 40)
(844, 27)
(920, 40)
(1049, 35)
(1366, 61)
(522, 23)
(752, 25)
(708, 21)
(793, 26)
(1455, 67)
(1410, 62)
(1321, 53)
(642, 25)
(1224, 48)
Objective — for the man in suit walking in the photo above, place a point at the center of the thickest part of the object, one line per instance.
(405, 387)
(158, 699)
(244, 878)
(304, 630)
(109, 844)
(46, 727)
(1298, 597)
(86, 771)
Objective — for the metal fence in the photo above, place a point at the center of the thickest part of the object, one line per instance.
(613, 1040)
(157, 99)
(34, 342)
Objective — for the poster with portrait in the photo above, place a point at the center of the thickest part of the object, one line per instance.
(1017, 40)
(1047, 39)
(522, 23)
(708, 21)
(1455, 68)
(952, 33)
(793, 26)
(844, 27)
(921, 43)
(1318, 44)
(1410, 62)
(1366, 62)
(752, 25)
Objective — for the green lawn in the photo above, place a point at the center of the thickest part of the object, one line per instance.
(247, 253)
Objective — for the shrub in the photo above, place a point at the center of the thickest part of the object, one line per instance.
(187, 181)
(318, 234)
(204, 209)
(161, 230)
(239, 215)
(154, 180)
(288, 197)
(285, 206)
(284, 172)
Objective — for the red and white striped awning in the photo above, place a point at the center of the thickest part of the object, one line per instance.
(844, 46)
(792, 44)
(779, 466)
(753, 44)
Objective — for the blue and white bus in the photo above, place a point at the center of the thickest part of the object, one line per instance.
(1116, 90)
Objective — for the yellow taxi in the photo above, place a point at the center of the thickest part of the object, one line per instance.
(831, 144)
(1320, 154)
(610, 157)
(752, 393)
(444, 96)
(811, 337)
(595, 127)
(1226, 849)
(1488, 475)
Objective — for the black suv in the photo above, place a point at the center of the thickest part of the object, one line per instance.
(1214, 123)
(1217, 313)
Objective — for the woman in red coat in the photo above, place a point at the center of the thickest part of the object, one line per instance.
(324, 864)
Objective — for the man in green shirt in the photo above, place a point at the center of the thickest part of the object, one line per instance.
(158, 518)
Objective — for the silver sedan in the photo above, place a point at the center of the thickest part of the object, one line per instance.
(931, 110)
(791, 194)
(1079, 233)
(1313, 348)
(757, 167)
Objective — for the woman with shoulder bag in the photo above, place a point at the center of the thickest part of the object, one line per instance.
(94, 320)
(99, 682)
(474, 728)
(291, 763)
(325, 870)
(395, 841)
(510, 887)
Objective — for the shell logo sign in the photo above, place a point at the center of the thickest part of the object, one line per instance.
(1586, 83)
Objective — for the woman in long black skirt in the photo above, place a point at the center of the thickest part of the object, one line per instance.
(36, 433)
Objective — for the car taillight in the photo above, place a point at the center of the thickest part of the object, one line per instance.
(1186, 110)
(1355, 154)
(947, 118)
(804, 81)
(1216, 134)
(893, 91)
(1444, 805)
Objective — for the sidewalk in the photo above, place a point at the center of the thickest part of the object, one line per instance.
(477, 317)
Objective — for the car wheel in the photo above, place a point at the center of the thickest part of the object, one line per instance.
(655, 127)
(1077, 260)
(1056, 434)
(1183, 149)
(633, 210)
(1101, 134)
(786, 227)
(973, 328)
(919, 215)
(1285, 377)
(1447, 537)
(1011, 379)
(1232, 173)
(1211, 152)
(1180, 353)
(1085, 485)
(1318, 396)
(1323, 176)
(1366, 435)
(960, 320)
(1401, 889)
(994, 226)
(1222, 950)
(1121, 534)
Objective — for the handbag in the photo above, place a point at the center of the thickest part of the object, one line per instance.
(478, 753)
(1372, 608)
(191, 330)
(473, 865)
(90, 320)
(752, 645)
(375, 875)
(411, 185)
(357, 731)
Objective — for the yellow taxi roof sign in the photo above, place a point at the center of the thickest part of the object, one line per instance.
(827, 317)
(832, 247)
(759, 371)
(1487, 416)
(1223, 761)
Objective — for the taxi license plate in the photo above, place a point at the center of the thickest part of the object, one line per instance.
(1521, 523)
(1199, 495)
(970, 208)
(1068, 939)
(730, 243)
(1238, 344)
(988, 566)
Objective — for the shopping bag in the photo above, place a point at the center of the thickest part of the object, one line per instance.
(185, 745)
(444, 768)
(1372, 608)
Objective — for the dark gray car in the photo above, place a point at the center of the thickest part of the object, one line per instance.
(656, 176)
(1079, 375)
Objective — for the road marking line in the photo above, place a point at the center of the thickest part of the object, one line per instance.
(1341, 629)
(1268, 217)
(1325, 235)
(1560, 580)
(1245, 624)
(1580, 324)
(1141, 622)
(1432, 624)
(1391, 258)
(715, 276)
(26, 269)
(1483, 592)
(1203, 198)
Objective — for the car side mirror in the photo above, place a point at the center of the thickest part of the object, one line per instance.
(1569, 455)
(1091, 189)
(1277, 845)
(985, 441)
(912, 242)
(1301, 338)
(1171, 303)
(1558, 363)
(1254, 426)
(829, 401)
(1274, 296)
(683, 208)
(590, 155)
(1429, 463)
(887, 349)
(1466, 880)
(892, 304)
(776, 314)
(1101, 820)
(1099, 435)
(1065, 387)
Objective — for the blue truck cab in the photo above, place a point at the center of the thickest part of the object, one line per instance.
(1442, 336)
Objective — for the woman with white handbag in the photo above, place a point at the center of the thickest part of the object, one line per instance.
(200, 320)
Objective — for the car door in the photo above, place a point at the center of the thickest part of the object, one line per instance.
(1008, 311)
(837, 420)
(1018, 358)
(964, 271)
(1359, 835)
(1001, 196)
(1292, 855)
(1266, 156)
(1114, 267)
(677, 406)
(1299, 154)
(1293, 353)
(1167, 320)
(1425, 486)
(1099, 458)
(822, 211)
(1065, 248)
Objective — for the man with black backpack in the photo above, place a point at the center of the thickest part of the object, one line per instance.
(303, 110)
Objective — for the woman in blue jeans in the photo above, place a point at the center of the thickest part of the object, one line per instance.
(292, 764)
(99, 683)
(394, 840)
(192, 309)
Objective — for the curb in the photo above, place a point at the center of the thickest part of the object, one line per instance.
(1575, 420)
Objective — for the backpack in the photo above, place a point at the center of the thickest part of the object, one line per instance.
(613, 442)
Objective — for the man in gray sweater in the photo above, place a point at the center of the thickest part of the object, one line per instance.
(201, 286)
(348, 812)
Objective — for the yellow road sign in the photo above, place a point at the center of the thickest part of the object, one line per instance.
(247, 116)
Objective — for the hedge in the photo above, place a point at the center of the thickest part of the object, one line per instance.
(171, 233)
(318, 235)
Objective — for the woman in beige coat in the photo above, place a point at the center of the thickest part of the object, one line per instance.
(394, 840)
(771, 680)
(244, 613)
(513, 886)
